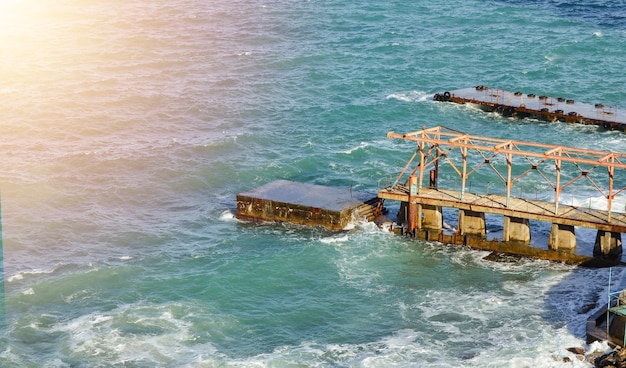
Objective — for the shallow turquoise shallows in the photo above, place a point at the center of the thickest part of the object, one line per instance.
(128, 128)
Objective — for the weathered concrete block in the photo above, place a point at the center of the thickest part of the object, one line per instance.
(608, 244)
(301, 203)
(562, 237)
(472, 223)
(428, 217)
(516, 230)
(432, 217)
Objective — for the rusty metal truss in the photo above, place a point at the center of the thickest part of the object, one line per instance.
(511, 161)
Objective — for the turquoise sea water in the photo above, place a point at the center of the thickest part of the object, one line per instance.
(129, 127)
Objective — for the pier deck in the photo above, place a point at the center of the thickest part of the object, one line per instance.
(520, 105)
(519, 208)
(462, 156)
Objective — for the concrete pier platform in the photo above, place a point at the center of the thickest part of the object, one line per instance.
(516, 214)
(520, 105)
(306, 204)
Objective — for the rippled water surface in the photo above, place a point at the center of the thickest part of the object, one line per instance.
(129, 127)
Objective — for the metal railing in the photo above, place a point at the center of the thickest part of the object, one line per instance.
(509, 161)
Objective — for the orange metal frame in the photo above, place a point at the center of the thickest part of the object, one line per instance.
(435, 144)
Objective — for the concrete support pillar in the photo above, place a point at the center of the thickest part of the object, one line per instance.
(403, 213)
(562, 237)
(412, 217)
(608, 245)
(472, 223)
(516, 230)
(432, 217)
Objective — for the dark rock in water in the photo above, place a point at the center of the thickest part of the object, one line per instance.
(502, 258)
(467, 355)
(616, 358)
(592, 357)
(577, 350)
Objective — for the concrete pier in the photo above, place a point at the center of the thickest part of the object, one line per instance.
(562, 237)
(306, 204)
(520, 105)
(608, 244)
(472, 223)
(432, 217)
(429, 218)
(516, 224)
(460, 156)
(516, 230)
(421, 207)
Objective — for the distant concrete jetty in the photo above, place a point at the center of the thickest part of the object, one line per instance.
(306, 204)
(520, 105)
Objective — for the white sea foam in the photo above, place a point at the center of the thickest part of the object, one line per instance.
(405, 347)
(227, 216)
(176, 109)
(361, 146)
(20, 275)
(15, 277)
(413, 96)
(335, 239)
(134, 334)
(596, 202)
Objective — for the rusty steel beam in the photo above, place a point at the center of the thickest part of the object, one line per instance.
(489, 148)
(587, 156)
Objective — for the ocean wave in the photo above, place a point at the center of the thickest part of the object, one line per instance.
(24, 274)
(413, 96)
(227, 216)
(129, 128)
(361, 146)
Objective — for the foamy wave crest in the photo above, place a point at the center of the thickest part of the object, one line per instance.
(335, 239)
(152, 335)
(402, 348)
(20, 275)
(398, 349)
(362, 145)
(227, 216)
(413, 96)
(358, 221)
(596, 202)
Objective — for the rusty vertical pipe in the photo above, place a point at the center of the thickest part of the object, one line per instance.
(609, 203)
(435, 173)
(509, 164)
(464, 173)
(422, 158)
(557, 189)
(412, 220)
